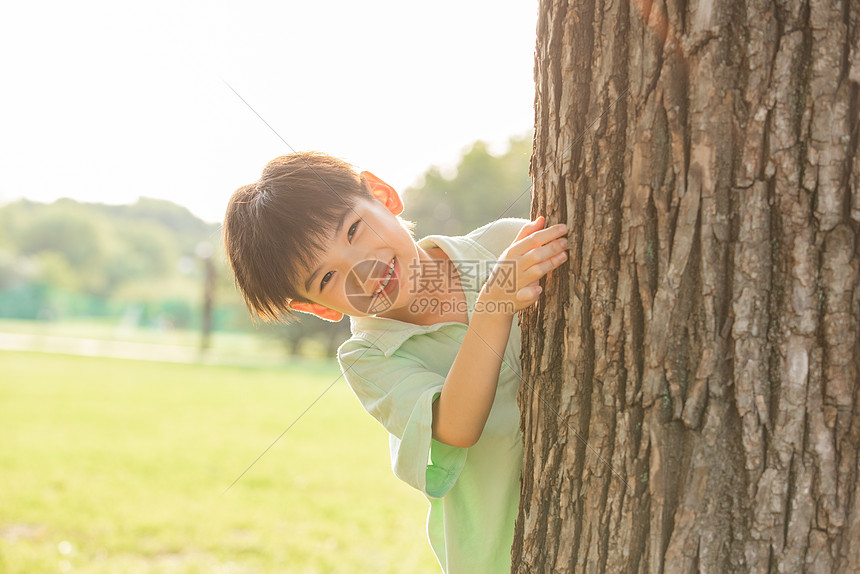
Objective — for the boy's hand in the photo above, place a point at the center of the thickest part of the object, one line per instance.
(513, 284)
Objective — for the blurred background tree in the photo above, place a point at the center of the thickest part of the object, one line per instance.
(483, 188)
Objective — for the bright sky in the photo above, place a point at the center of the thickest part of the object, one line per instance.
(108, 101)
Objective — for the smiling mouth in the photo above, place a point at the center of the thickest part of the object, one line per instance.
(385, 281)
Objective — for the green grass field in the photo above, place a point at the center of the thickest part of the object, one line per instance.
(121, 466)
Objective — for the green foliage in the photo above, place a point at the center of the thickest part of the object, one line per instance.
(485, 188)
(72, 236)
(61, 259)
(183, 227)
(53, 268)
(143, 249)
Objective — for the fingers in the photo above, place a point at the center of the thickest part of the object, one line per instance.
(541, 261)
(546, 251)
(529, 293)
(537, 250)
(531, 227)
(536, 238)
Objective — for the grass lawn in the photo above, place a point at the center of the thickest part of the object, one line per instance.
(120, 466)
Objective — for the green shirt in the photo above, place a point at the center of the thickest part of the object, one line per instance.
(397, 369)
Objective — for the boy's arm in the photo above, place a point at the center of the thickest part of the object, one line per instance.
(461, 410)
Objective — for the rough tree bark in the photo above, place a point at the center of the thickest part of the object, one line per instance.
(691, 389)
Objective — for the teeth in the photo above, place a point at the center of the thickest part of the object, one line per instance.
(387, 279)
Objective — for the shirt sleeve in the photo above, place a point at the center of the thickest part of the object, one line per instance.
(498, 235)
(399, 393)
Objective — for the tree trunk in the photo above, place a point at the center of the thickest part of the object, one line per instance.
(690, 401)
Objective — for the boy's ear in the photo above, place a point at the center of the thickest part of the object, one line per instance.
(316, 309)
(383, 192)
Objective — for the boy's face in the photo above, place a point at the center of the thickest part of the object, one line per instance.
(363, 270)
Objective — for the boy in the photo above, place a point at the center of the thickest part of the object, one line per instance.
(434, 354)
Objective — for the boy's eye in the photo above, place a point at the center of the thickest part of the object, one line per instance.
(325, 279)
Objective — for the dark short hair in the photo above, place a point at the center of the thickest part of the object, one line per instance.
(278, 226)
